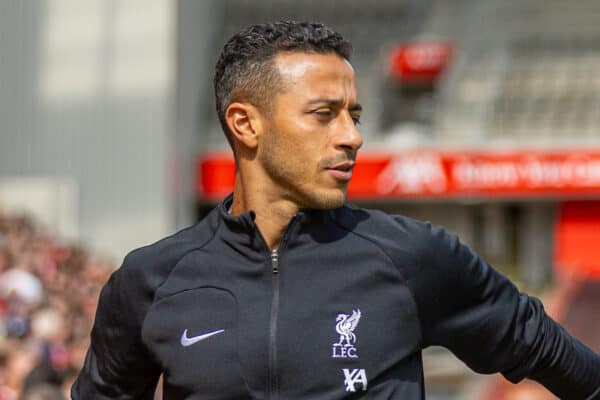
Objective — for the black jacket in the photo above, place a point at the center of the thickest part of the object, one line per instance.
(341, 310)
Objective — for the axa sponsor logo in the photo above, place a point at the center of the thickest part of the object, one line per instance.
(354, 377)
(345, 324)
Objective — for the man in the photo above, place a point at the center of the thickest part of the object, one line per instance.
(283, 292)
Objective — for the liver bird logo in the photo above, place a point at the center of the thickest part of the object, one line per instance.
(345, 325)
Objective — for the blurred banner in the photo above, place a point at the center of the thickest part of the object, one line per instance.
(424, 174)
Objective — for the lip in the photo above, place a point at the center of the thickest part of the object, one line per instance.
(342, 171)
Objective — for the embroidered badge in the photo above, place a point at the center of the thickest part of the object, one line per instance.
(345, 325)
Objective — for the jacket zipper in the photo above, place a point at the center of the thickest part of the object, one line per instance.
(273, 387)
(273, 381)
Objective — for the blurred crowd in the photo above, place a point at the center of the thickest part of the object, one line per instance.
(48, 296)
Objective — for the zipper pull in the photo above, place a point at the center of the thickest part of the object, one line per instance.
(275, 261)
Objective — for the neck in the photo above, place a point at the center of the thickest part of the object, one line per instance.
(273, 213)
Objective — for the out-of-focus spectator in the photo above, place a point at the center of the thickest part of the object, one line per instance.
(43, 392)
(5, 259)
(48, 296)
(22, 285)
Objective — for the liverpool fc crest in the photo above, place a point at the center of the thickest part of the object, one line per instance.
(345, 325)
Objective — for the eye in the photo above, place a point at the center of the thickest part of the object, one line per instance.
(324, 112)
(355, 117)
(324, 115)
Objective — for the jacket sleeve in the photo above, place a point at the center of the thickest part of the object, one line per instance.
(478, 314)
(117, 364)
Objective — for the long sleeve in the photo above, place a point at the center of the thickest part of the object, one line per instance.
(478, 314)
(117, 364)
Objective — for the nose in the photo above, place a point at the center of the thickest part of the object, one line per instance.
(349, 138)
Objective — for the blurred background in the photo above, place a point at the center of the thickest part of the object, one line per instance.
(483, 116)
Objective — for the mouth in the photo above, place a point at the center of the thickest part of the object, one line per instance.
(342, 171)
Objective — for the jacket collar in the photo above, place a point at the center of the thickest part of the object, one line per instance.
(244, 220)
(246, 232)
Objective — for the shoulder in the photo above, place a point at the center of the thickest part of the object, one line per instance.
(130, 291)
(398, 235)
(364, 219)
(147, 267)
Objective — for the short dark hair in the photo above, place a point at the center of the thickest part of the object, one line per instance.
(245, 69)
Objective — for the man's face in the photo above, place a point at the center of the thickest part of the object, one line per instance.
(310, 140)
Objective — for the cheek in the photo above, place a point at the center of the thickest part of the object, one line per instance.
(306, 155)
(297, 146)
(296, 142)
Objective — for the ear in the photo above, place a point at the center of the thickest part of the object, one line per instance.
(243, 120)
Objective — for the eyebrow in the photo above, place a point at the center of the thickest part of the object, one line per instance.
(336, 102)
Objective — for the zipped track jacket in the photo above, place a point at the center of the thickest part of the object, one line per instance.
(341, 310)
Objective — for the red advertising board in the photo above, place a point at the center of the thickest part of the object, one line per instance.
(426, 174)
(577, 234)
(419, 62)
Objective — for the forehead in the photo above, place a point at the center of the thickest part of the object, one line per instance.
(309, 75)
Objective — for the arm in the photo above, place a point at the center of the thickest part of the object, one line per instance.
(477, 313)
(117, 364)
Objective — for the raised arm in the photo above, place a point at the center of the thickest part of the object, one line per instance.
(477, 313)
